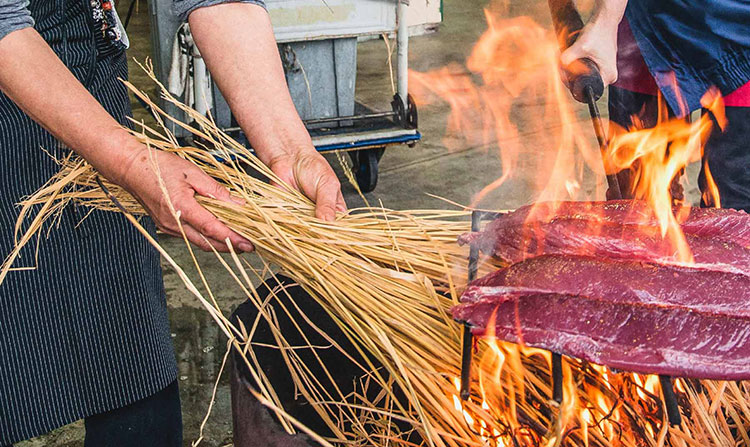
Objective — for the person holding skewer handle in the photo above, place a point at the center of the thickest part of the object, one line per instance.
(677, 50)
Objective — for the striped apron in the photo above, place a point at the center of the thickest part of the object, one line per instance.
(87, 330)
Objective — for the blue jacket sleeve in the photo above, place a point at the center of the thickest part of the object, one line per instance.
(183, 8)
(14, 15)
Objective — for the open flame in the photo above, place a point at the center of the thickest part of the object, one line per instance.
(592, 411)
(519, 81)
(657, 156)
(511, 81)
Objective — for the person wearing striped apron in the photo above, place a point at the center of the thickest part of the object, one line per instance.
(84, 331)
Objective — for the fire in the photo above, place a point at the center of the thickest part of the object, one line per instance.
(651, 385)
(511, 81)
(658, 155)
(511, 86)
(586, 420)
(591, 413)
(516, 62)
(459, 406)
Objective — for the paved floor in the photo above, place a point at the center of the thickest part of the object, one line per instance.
(407, 176)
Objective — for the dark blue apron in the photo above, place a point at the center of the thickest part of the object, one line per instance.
(87, 330)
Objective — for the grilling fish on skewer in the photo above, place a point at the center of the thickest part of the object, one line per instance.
(724, 224)
(711, 292)
(644, 338)
(595, 283)
(615, 232)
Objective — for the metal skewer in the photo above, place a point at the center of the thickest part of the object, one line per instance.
(468, 337)
(557, 378)
(670, 400)
(614, 192)
(585, 84)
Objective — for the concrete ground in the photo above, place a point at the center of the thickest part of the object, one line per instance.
(407, 175)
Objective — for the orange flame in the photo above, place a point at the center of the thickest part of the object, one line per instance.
(591, 407)
(657, 156)
(516, 60)
(510, 88)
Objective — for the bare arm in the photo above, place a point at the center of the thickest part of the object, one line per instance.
(598, 39)
(34, 78)
(237, 42)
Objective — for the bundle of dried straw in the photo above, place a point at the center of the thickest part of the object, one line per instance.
(388, 279)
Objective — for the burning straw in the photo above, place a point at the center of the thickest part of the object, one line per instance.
(389, 279)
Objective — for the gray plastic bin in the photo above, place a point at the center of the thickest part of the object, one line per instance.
(321, 76)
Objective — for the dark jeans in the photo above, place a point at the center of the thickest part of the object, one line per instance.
(153, 421)
(728, 155)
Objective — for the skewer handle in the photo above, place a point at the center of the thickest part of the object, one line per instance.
(468, 344)
(613, 191)
(468, 337)
(581, 74)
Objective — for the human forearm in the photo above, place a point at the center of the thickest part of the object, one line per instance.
(608, 11)
(598, 39)
(237, 42)
(244, 61)
(39, 83)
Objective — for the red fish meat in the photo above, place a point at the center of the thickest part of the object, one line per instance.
(725, 224)
(597, 281)
(644, 338)
(514, 241)
(630, 282)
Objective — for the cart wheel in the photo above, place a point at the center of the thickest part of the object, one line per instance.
(366, 167)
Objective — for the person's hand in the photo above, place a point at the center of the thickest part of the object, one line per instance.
(598, 42)
(307, 171)
(182, 180)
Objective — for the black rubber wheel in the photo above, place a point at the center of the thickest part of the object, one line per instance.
(366, 163)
